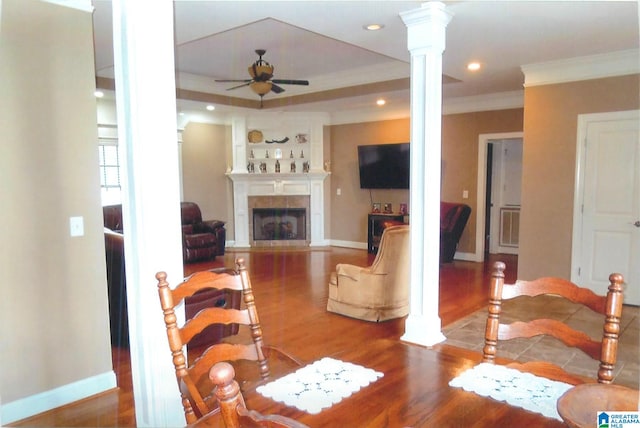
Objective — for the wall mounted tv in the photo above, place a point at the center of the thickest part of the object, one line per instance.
(384, 166)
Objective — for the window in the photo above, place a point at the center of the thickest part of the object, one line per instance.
(109, 173)
(109, 164)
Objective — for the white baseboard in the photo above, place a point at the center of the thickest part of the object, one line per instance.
(467, 257)
(349, 244)
(47, 400)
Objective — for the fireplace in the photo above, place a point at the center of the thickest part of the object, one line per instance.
(279, 224)
(279, 220)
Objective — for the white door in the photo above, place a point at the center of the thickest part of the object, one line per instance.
(607, 238)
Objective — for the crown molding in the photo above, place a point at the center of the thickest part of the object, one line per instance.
(486, 102)
(611, 64)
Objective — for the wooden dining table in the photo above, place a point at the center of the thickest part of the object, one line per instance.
(414, 391)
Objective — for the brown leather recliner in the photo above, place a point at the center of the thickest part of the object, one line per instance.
(201, 240)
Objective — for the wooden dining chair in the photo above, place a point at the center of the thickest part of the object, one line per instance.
(194, 386)
(232, 406)
(604, 350)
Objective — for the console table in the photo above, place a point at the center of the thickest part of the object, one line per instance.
(374, 229)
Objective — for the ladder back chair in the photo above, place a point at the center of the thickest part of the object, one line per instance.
(604, 351)
(232, 407)
(194, 386)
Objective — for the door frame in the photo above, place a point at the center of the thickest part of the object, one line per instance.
(497, 196)
(483, 143)
(578, 195)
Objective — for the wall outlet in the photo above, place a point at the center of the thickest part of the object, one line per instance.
(76, 226)
(465, 194)
(338, 191)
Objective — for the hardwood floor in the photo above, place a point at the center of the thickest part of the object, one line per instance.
(290, 288)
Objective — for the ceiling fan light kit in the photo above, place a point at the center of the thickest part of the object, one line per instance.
(261, 88)
(261, 82)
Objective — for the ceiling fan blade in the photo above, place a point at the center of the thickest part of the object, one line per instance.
(240, 86)
(276, 89)
(291, 82)
(232, 80)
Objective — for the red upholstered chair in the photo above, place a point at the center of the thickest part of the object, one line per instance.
(453, 219)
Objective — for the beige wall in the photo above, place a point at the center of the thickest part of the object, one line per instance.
(205, 156)
(349, 210)
(549, 158)
(460, 167)
(54, 311)
(460, 158)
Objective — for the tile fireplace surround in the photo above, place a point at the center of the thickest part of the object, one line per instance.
(280, 202)
(264, 190)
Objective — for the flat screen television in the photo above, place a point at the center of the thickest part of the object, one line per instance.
(384, 166)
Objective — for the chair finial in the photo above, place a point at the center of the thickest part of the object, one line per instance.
(498, 269)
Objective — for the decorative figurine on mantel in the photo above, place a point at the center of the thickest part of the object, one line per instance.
(251, 168)
(305, 166)
(293, 166)
(291, 154)
(301, 154)
(277, 165)
(263, 167)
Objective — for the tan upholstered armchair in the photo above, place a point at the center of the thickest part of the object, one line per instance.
(379, 292)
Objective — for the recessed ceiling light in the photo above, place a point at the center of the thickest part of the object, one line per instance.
(98, 94)
(373, 27)
(381, 101)
(473, 66)
(210, 107)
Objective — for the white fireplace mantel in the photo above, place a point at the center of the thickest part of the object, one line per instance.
(270, 183)
(275, 184)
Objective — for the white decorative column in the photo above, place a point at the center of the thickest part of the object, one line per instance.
(426, 42)
(146, 107)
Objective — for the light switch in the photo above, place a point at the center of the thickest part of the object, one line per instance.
(465, 194)
(338, 191)
(76, 226)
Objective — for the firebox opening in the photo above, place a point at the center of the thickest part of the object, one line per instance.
(276, 224)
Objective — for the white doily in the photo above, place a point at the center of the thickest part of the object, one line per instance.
(319, 385)
(525, 390)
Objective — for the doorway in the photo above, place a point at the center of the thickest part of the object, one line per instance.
(503, 196)
(498, 193)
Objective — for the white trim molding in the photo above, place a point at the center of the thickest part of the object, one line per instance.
(486, 102)
(348, 244)
(611, 64)
(47, 400)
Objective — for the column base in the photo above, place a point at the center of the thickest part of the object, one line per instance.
(423, 330)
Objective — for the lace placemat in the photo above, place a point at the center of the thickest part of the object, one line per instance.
(525, 390)
(319, 385)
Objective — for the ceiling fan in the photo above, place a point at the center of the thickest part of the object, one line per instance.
(262, 81)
